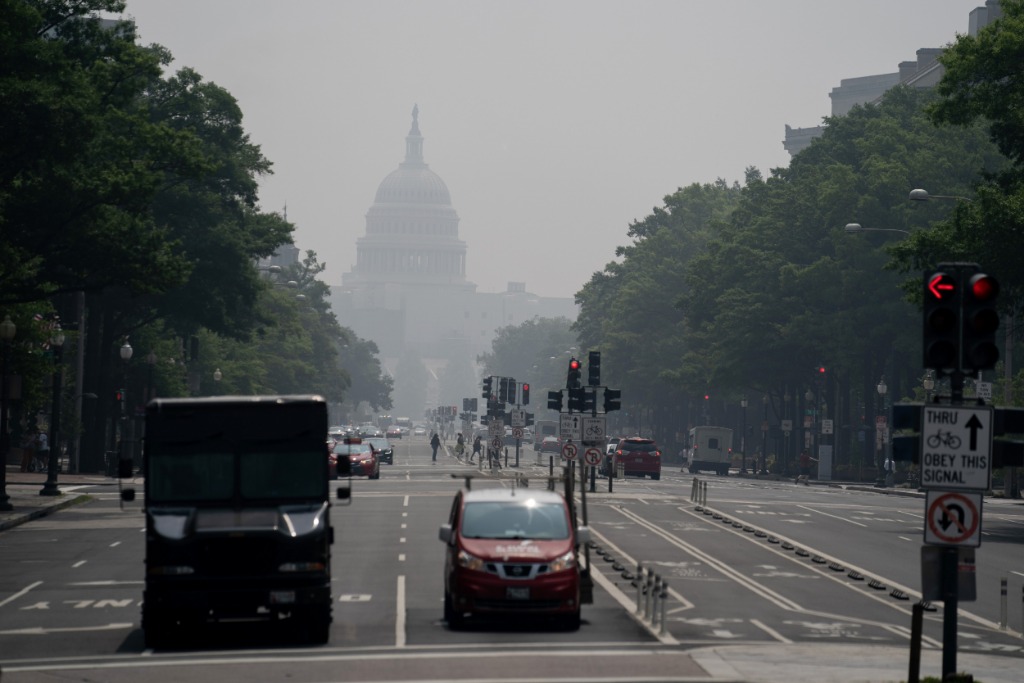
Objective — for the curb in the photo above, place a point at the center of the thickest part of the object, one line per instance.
(43, 511)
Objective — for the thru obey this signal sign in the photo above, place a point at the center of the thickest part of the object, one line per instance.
(953, 518)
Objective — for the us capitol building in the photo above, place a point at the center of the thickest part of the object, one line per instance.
(408, 290)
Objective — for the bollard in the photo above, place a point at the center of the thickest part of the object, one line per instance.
(639, 587)
(664, 599)
(704, 493)
(1002, 603)
(693, 491)
(649, 587)
(620, 470)
(593, 479)
(655, 591)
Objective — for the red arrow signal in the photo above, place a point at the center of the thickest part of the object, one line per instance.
(941, 286)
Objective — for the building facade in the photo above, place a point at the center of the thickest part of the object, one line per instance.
(924, 72)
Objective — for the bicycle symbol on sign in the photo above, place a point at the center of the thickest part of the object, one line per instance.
(941, 438)
(594, 430)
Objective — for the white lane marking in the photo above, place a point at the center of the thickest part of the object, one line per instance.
(78, 564)
(905, 538)
(405, 501)
(106, 583)
(40, 631)
(843, 519)
(115, 544)
(404, 525)
(401, 557)
(770, 631)
(402, 539)
(20, 593)
(1011, 571)
(400, 612)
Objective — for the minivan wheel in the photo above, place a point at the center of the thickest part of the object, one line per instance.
(572, 621)
(453, 618)
(656, 476)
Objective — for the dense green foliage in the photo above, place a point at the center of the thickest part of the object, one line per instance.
(129, 207)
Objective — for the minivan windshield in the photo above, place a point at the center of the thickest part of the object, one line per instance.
(517, 519)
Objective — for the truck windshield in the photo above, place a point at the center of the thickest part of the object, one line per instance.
(196, 477)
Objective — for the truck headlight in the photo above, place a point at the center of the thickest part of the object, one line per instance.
(471, 561)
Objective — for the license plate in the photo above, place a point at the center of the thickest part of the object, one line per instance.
(282, 597)
(638, 459)
(517, 593)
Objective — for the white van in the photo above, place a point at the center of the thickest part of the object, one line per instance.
(710, 449)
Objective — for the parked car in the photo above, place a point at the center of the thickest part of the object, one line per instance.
(511, 553)
(385, 451)
(362, 457)
(639, 457)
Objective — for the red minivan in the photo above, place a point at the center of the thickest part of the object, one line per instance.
(640, 457)
(511, 552)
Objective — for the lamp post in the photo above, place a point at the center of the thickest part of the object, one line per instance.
(920, 195)
(743, 438)
(126, 355)
(53, 466)
(7, 330)
(852, 228)
(151, 359)
(764, 437)
(882, 389)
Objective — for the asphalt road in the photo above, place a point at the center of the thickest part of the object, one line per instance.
(761, 581)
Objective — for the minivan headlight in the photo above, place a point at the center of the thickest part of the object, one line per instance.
(471, 561)
(567, 561)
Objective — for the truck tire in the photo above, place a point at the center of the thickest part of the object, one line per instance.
(656, 476)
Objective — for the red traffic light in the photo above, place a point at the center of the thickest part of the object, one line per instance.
(941, 286)
(821, 369)
(574, 364)
(983, 287)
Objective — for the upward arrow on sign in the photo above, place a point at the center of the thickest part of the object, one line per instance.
(974, 424)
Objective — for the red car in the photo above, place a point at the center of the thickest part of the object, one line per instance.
(363, 460)
(511, 553)
(639, 457)
(394, 432)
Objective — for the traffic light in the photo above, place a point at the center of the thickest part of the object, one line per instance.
(572, 379)
(611, 400)
(526, 394)
(576, 400)
(472, 405)
(513, 387)
(941, 322)
(589, 399)
(594, 369)
(503, 390)
(465, 405)
(488, 388)
(119, 400)
(529, 419)
(555, 400)
(980, 321)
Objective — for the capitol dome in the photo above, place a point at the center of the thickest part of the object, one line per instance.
(413, 182)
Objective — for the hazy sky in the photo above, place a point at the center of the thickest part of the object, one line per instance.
(554, 123)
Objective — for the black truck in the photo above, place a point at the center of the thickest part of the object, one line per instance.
(237, 509)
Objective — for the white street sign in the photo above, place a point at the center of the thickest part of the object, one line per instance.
(592, 456)
(953, 518)
(517, 417)
(593, 428)
(787, 425)
(495, 428)
(826, 426)
(569, 451)
(984, 390)
(517, 432)
(571, 426)
(497, 442)
(956, 448)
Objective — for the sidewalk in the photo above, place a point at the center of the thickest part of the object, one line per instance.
(23, 489)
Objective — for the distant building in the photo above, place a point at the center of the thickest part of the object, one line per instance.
(408, 290)
(924, 72)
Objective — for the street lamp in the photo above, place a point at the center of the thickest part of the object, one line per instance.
(882, 389)
(151, 360)
(217, 375)
(764, 437)
(53, 466)
(743, 437)
(920, 195)
(126, 355)
(7, 330)
(852, 228)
